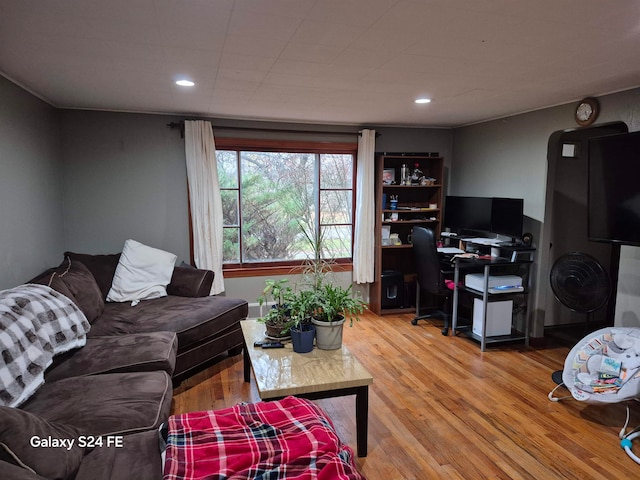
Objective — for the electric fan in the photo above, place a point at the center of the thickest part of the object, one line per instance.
(581, 284)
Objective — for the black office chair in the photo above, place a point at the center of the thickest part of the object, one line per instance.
(431, 277)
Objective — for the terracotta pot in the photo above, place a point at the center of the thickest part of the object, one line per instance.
(275, 331)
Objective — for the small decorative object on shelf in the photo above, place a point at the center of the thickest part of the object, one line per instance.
(389, 176)
(386, 234)
(417, 175)
(426, 181)
(405, 177)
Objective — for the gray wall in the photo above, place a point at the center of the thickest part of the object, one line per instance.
(125, 177)
(628, 300)
(31, 232)
(508, 157)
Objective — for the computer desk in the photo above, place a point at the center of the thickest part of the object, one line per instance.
(486, 263)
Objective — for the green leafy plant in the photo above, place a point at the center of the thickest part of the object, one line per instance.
(335, 302)
(319, 297)
(315, 270)
(278, 317)
(303, 306)
(276, 290)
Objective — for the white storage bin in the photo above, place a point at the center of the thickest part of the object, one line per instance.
(499, 317)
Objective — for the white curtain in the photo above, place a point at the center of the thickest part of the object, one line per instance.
(364, 239)
(205, 200)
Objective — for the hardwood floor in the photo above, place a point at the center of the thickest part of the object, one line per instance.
(439, 408)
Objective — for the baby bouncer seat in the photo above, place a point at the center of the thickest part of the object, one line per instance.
(603, 368)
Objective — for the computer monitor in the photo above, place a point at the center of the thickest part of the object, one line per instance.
(497, 215)
(507, 216)
(467, 214)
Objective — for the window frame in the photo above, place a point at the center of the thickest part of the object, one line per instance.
(232, 270)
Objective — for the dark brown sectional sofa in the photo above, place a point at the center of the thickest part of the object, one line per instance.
(206, 326)
(119, 385)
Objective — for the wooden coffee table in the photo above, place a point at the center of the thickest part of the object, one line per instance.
(280, 372)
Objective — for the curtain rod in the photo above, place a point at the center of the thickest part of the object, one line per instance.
(180, 125)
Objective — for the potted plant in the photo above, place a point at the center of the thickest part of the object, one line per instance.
(278, 319)
(303, 305)
(335, 305)
(315, 269)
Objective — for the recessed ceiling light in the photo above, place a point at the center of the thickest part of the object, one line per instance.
(185, 83)
(422, 100)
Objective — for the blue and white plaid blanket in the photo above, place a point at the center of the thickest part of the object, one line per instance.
(36, 323)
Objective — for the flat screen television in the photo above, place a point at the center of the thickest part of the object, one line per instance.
(614, 189)
(496, 215)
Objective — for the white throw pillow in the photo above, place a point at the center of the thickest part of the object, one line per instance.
(142, 273)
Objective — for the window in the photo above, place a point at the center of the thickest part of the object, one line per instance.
(276, 197)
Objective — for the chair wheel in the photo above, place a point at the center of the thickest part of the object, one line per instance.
(414, 321)
(445, 331)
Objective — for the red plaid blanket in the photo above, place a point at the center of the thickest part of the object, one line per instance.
(288, 439)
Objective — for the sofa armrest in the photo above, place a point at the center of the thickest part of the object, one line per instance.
(190, 282)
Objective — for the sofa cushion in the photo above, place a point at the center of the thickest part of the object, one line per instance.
(123, 353)
(109, 404)
(25, 440)
(83, 287)
(139, 459)
(52, 279)
(190, 282)
(191, 318)
(102, 267)
(14, 472)
(142, 273)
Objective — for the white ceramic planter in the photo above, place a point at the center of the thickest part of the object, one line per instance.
(328, 334)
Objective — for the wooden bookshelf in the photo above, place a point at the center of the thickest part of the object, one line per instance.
(418, 205)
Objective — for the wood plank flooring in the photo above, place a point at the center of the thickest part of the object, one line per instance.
(440, 408)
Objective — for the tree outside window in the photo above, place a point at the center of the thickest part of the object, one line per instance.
(274, 201)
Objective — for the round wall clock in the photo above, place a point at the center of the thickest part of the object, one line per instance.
(587, 111)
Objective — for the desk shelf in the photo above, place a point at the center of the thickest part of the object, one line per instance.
(503, 265)
(515, 336)
(496, 297)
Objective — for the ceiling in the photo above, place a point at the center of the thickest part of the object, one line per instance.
(360, 62)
